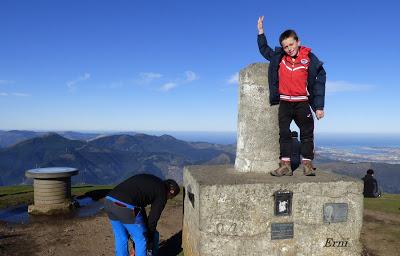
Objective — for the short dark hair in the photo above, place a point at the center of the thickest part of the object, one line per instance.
(173, 185)
(370, 171)
(288, 33)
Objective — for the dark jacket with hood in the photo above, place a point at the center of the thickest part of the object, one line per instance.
(315, 81)
(142, 190)
(371, 188)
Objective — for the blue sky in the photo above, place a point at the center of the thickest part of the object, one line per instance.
(171, 65)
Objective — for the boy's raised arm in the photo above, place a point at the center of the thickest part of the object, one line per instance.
(265, 50)
(260, 25)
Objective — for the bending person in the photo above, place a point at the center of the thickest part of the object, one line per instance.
(125, 208)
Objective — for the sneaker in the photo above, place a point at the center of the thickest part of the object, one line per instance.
(283, 170)
(308, 168)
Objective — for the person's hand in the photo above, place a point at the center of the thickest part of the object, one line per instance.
(149, 240)
(149, 246)
(260, 25)
(319, 114)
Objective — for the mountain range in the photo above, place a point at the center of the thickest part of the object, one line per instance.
(106, 159)
(110, 158)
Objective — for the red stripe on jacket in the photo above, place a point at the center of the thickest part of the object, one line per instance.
(293, 76)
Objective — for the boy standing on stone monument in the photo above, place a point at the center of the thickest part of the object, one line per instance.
(296, 82)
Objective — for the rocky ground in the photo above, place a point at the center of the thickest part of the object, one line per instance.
(380, 234)
(93, 235)
(82, 236)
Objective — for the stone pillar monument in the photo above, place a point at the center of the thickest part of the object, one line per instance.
(257, 129)
(243, 210)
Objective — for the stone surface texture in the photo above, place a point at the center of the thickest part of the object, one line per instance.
(257, 129)
(229, 210)
(52, 190)
(233, 213)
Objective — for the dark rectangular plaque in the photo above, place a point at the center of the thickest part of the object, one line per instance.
(335, 212)
(283, 203)
(281, 231)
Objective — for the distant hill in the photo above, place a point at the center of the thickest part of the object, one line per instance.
(78, 135)
(107, 159)
(9, 138)
(387, 175)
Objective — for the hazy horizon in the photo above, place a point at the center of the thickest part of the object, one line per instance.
(229, 137)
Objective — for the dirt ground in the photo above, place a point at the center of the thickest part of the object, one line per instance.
(380, 233)
(93, 235)
(82, 236)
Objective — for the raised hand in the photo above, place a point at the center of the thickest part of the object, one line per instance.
(319, 114)
(260, 25)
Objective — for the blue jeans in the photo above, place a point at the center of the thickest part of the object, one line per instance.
(136, 231)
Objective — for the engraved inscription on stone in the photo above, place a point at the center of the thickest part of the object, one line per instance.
(283, 203)
(335, 212)
(281, 231)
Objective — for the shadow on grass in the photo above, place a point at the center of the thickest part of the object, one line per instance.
(172, 246)
(83, 186)
(17, 193)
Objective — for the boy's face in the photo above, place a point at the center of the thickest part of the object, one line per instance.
(291, 46)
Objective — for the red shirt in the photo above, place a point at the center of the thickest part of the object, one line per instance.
(293, 76)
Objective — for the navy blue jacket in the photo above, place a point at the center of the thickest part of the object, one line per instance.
(315, 81)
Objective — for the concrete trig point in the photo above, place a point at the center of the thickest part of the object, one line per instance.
(243, 210)
(52, 189)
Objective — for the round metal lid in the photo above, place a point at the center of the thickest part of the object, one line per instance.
(51, 172)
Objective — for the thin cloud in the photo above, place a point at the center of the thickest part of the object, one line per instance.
(188, 77)
(168, 86)
(191, 76)
(148, 77)
(114, 85)
(18, 94)
(2, 82)
(234, 79)
(72, 84)
(344, 86)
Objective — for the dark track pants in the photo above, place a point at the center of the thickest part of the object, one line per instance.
(300, 112)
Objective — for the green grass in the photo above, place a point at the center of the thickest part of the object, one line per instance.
(388, 203)
(23, 194)
(16, 195)
(81, 190)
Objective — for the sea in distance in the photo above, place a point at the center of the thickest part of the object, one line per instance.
(384, 148)
(321, 139)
